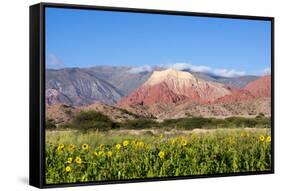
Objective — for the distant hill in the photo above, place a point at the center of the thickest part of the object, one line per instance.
(260, 87)
(120, 77)
(63, 113)
(174, 94)
(109, 84)
(171, 86)
(78, 87)
(237, 82)
(83, 86)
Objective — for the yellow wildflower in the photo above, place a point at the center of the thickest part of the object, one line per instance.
(268, 139)
(69, 160)
(85, 146)
(70, 147)
(140, 144)
(262, 138)
(78, 160)
(100, 153)
(109, 153)
(67, 169)
(125, 143)
(183, 142)
(60, 147)
(161, 154)
(118, 146)
(161, 135)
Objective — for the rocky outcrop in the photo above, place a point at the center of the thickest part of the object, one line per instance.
(171, 86)
(260, 87)
(76, 87)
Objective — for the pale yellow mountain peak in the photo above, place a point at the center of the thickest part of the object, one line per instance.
(170, 73)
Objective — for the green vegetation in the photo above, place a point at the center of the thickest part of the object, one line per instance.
(50, 124)
(128, 112)
(93, 147)
(72, 156)
(93, 120)
(139, 124)
(230, 122)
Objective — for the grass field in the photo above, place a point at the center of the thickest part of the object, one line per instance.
(73, 156)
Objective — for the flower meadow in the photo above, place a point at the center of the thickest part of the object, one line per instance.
(73, 156)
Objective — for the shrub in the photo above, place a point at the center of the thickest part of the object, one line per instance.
(140, 124)
(92, 120)
(50, 124)
(260, 116)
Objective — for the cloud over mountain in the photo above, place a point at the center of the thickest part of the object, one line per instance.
(140, 69)
(266, 71)
(208, 70)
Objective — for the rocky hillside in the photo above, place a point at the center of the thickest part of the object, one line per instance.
(260, 87)
(122, 95)
(120, 77)
(63, 113)
(77, 87)
(246, 108)
(83, 86)
(174, 94)
(173, 86)
(108, 84)
(114, 113)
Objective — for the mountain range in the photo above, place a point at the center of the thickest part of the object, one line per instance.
(83, 86)
(160, 93)
(108, 84)
(174, 94)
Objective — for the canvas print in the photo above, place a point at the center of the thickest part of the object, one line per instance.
(136, 96)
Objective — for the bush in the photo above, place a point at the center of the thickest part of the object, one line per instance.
(92, 120)
(200, 122)
(260, 116)
(188, 123)
(50, 124)
(140, 124)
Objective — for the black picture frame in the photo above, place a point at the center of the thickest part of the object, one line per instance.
(37, 91)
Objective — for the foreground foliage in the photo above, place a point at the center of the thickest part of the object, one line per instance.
(72, 156)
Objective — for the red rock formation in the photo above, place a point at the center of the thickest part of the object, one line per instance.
(146, 95)
(236, 95)
(260, 87)
(171, 86)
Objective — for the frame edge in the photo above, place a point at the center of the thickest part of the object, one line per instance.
(36, 165)
(35, 170)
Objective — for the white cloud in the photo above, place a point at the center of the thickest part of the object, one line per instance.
(266, 71)
(193, 68)
(140, 69)
(54, 61)
(205, 69)
(228, 73)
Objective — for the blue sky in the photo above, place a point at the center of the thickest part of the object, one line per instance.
(85, 38)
